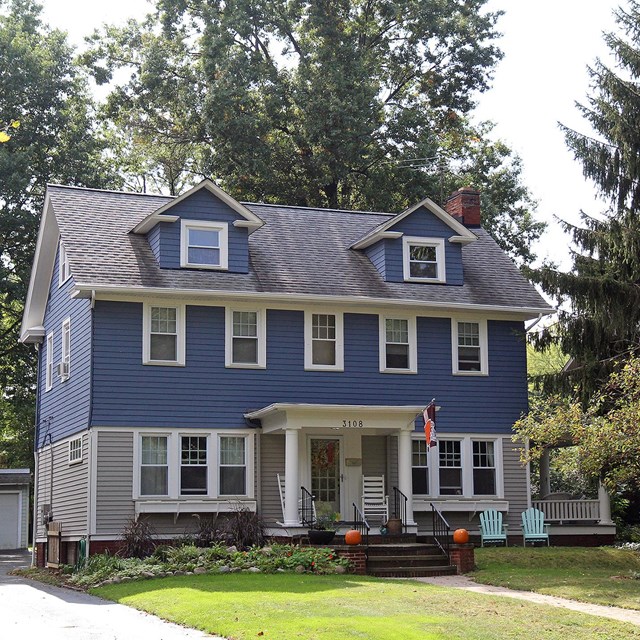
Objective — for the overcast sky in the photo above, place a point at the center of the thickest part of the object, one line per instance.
(547, 45)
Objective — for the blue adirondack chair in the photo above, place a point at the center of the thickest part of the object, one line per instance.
(491, 527)
(534, 528)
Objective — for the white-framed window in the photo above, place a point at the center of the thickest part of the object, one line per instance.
(49, 362)
(64, 271)
(75, 450)
(420, 467)
(65, 359)
(232, 461)
(246, 338)
(450, 467)
(484, 468)
(470, 351)
(154, 465)
(398, 345)
(423, 259)
(193, 465)
(163, 334)
(204, 245)
(323, 341)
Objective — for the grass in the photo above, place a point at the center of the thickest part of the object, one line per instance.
(598, 575)
(331, 607)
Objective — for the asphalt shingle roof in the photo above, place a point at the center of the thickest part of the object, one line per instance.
(297, 251)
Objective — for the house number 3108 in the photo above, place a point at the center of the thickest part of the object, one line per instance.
(353, 424)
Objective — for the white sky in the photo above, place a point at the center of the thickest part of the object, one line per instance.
(547, 46)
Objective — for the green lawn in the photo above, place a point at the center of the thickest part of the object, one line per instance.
(332, 607)
(600, 575)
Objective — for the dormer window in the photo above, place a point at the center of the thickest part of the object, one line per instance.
(204, 244)
(423, 259)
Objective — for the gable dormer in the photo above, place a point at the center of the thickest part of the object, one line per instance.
(204, 228)
(423, 244)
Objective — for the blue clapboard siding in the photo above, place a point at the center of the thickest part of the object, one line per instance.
(206, 394)
(386, 255)
(64, 409)
(164, 239)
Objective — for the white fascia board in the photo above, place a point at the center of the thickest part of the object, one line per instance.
(336, 408)
(106, 292)
(376, 235)
(462, 239)
(160, 214)
(41, 274)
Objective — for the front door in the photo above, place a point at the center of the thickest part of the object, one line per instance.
(326, 472)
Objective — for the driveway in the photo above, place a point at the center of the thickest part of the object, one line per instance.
(30, 609)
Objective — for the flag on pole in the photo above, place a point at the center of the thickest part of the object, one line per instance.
(429, 415)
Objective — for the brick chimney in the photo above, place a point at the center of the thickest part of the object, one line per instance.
(464, 206)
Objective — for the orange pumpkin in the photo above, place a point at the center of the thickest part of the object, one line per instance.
(353, 537)
(461, 536)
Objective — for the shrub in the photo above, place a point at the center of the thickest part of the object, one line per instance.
(242, 529)
(137, 538)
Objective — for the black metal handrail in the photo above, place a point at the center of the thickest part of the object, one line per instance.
(400, 507)
(360, 524)
(307, 510)
(441, 530)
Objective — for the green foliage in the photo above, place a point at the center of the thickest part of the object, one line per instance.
(349, 104)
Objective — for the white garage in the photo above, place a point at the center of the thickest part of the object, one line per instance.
(14, 508)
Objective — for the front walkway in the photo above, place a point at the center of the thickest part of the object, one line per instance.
(463, 582)
(30, 609)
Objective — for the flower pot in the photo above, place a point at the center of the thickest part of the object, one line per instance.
(394, 526)
(321, 536)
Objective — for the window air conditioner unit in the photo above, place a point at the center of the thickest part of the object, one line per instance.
(63, 369)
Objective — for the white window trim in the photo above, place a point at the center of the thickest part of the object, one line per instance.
(466, 451)
(246, 466)
(65, 354)
(213, 464)
(261, 319)
(495, 466)
(438, 243)
(49, 362)
(73, 451)
(428, 467)
(64, 270)
(180, 465)
(180, 340)
(308, 342)
(221, 227)
(413, 343)
(484, 346)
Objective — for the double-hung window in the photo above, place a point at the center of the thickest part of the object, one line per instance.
(154, 466)
(484, 468)
(246, 338)
(450, 472)
(193, 465)
(233, 465)
(469, 342)
(164, 335)
(204, 245)
(420, 467)
(324, 343)
(398, 345)
(64, 271)
(65, 360)
(423, 259)
(49, 362)
(75, 450)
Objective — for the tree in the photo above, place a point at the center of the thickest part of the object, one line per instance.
(45, 93)
(602, 326)
(337, 103)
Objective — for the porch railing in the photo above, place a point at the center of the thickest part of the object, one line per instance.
(568, 510)
(360, 524)
(400, 507)
(441, 530)
(307, 508)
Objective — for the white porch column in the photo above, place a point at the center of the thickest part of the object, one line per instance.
(404, 472)
(291, 478)
(545, 475)
(605, 505)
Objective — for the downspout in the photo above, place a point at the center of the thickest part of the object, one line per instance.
(92, 440)
(34, 523)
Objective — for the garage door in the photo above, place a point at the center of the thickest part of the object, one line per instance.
(9, 520)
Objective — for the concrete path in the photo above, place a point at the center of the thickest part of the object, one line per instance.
(463, 582)
(30, 609)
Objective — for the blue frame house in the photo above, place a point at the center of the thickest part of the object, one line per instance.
(197, 353)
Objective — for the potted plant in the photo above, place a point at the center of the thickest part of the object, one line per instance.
(324, 528)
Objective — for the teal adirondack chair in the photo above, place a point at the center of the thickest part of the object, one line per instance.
(534, 528)
(491, 527)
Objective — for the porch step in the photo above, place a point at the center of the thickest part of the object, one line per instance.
(413, 572)
(407, 561)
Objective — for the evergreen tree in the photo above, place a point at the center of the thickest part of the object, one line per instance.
(602, 327)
